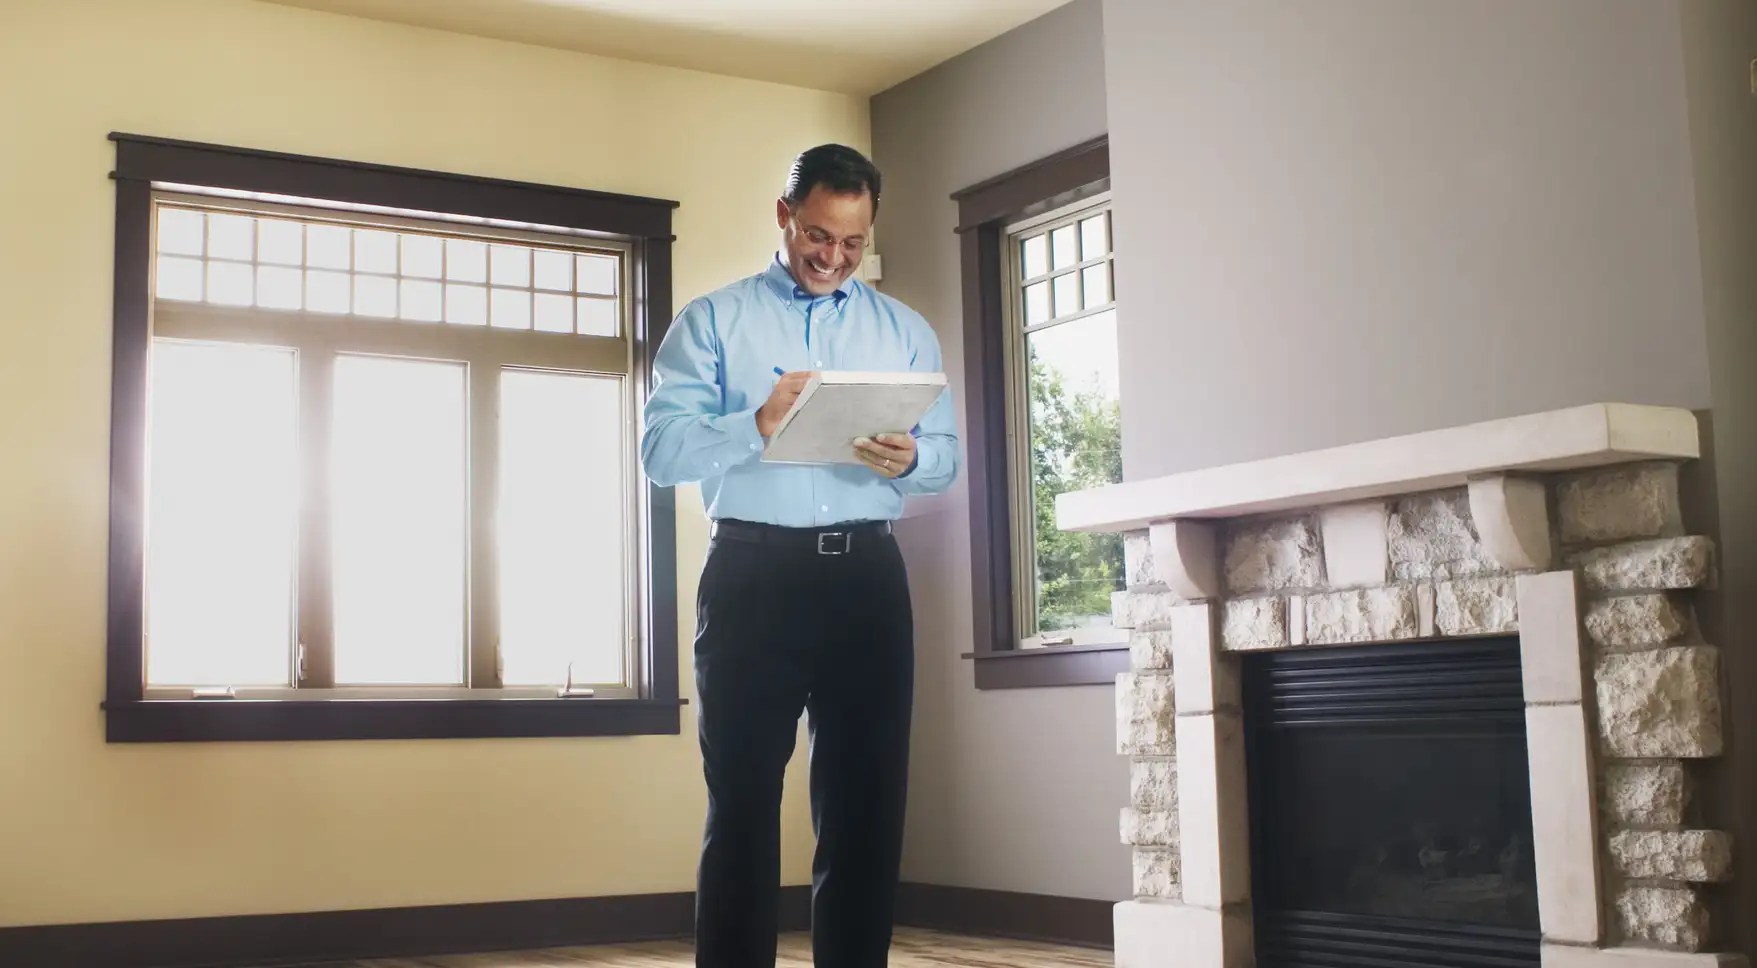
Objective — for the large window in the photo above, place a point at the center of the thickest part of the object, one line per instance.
(1063, 421)
(387, 475)
(1040, 351)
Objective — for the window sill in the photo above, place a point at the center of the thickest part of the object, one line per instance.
(256, 720)
(1051, 666)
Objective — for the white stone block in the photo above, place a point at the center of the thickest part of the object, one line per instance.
(1143, 611)
(1206, 680)
(1695, 856)
(1153, 783)
(1146, 711)
(1362, 615)
(1149, 828)
(1357, 550)
(1255, 623)
(1616, 504)
(1662, 703)
(1475, 606)
(1138, 566)
(1213, 810)
(1564, 823)
(1155, 874)
(1431, 536)
(1646, 794)
(1156, 934)
(1568, 956)
(1273, 555)
(1644, 566)
(1150, 651)
(1637, 621)
(1673, 917)
(1551, 654)
(1512, 519)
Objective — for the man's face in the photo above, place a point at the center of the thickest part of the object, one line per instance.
(825, 237)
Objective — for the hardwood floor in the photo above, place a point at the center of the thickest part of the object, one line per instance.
(912, 949)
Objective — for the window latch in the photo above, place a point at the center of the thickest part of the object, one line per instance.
(571, 691)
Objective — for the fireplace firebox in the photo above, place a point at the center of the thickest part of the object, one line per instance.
(1390, 800)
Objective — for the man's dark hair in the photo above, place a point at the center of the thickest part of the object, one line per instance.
(838, 168)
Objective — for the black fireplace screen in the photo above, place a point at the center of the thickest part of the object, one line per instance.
(1391, 805)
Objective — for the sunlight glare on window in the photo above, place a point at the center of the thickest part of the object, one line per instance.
(399, 512)
(222, 515)
(561, 519)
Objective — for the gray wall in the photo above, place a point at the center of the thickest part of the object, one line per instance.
(1371, 217)
(1016, 790)
(1720, 40)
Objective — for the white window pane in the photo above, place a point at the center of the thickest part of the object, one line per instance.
(553, 270)
(512, 265)
(597, 317)
(180, 231)
(512, 309)
(399, 520)
(467, 305)
(280, 288)
(1075, 439)
(326, 246)
(375, 251)
(561, 519)
(1095, 285)
(1064, 247)
(1037, 304)
(178, 278)
(230, 284)
(1035, 253)
(466, 260)
(423, 256)
(554, 313)
(1095, 236)
(375, 296)
(231, 237)
(422, 301)
(327, 292)
(280, 242)
(1067, 294)
(223, 515)
(596, 274)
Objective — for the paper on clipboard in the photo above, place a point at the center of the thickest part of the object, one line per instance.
(838, 406)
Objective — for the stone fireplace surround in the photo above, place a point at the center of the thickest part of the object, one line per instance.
(1563, 528)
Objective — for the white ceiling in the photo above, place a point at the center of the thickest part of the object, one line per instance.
(857, 48)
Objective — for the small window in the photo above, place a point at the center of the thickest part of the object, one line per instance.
(1065, 429)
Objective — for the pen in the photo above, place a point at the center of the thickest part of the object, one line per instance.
(780, 372)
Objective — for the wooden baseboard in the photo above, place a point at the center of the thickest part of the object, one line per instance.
(284, 939)
(259, 941)
(1004, 914)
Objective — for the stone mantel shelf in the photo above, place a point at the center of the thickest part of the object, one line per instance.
(1557, 440)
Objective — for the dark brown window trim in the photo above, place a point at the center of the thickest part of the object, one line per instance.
(142, 162)
(984, 210)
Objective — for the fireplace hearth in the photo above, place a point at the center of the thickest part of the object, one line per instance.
(1390, 800)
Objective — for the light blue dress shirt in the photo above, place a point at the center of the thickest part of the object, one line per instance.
(715, 370)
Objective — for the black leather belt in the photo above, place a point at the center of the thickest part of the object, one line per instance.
(835, 540)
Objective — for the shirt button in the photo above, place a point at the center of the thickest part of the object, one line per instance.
(825, 508)
(820, 362)
(716, 465)
(755, 447)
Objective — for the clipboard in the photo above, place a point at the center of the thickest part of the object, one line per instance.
(838, 406)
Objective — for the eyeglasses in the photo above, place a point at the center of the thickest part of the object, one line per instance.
(819, 237)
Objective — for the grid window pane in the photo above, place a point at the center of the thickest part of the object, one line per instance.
(375, 296)
(1095, 237)
(223, 515)
(421, 301)
(326, 292)
(561, 524)
(554, 313)
(1095, 286)
(375, 251)
(1075, 441)
(597, 317)
(552, 270)
(1064, 247)
(596, 274)
(180, 231)
(1035, 252)
(1067, 294)
(400, 521)
(278, 287)
(512, 265)
(466, 305)
(230, 284)
(423, 256)
(326, 246)
(231, 237)
(466, 260)
(178, 278)
(1037, 304)
(280, 242)
(511, 309)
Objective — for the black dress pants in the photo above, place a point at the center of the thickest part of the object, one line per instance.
(816, 621)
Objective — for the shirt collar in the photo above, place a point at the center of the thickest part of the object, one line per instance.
(781, 280)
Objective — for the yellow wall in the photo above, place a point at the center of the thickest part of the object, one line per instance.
(94, 832)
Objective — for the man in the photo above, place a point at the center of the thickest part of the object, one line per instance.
(804, 604)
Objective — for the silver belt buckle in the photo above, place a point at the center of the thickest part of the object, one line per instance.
(827, 542)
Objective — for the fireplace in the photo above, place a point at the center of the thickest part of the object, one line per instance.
(1390, 800)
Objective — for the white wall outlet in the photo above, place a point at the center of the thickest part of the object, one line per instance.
(872, 268)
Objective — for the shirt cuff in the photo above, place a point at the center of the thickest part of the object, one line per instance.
(741, 428)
